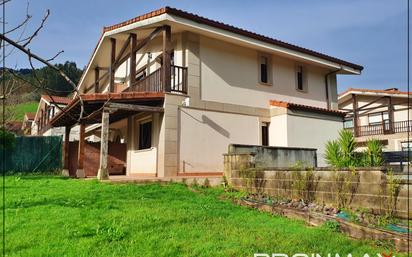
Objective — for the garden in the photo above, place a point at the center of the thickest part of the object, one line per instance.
(57, 216)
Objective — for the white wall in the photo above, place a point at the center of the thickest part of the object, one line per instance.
(143, 161)
(229, 74)
(312, 133)
(205, 136)
(278, 130)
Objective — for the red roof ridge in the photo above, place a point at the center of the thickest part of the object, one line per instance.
(296, 106)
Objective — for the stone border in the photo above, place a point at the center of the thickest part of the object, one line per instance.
(353, 230)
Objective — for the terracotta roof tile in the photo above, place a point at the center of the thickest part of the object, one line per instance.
(294, 106)
(30, 115)
(56, 99)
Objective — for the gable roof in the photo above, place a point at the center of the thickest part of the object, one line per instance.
(30, 115)
(56, 99)
(230, 28)
(301, 107)
(176, 13)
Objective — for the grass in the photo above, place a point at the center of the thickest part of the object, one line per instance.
(55, 216)
(20, 109)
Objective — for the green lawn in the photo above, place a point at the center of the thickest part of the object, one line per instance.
(20, 109)
(55, 216)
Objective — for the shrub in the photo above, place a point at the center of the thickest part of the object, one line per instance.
(333, 154)
(7, 139)
(373, 154)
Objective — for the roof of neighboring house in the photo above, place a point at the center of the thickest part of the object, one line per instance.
(30, 115)
(14, 126)
(394, 91)
(230, 28)
(56, 99)
(294, 106)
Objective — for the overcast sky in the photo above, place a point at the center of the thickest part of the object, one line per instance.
(371, 33)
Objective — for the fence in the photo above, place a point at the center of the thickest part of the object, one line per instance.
(33, 154)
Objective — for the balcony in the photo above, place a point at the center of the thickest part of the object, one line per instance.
(154, 81)
(382, 129)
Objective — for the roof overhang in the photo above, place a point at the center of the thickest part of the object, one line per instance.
(184, 21)
(347, 95)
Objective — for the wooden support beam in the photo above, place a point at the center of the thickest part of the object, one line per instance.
(65, 171)
(112, 69)
(80, 160)
(144, 42)
(166, 54)
(122, 51)
(96, 79)
(390, 114)
(103, 172)
(355, 115)
(133, 107)
(133, 38)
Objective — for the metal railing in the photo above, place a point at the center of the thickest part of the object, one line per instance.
(382, 128)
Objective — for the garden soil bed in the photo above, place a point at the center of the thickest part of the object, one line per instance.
(357, 231)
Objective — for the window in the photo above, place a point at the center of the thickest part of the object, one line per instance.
(406, 146)
(348, 123)
(264, 69)
(265, 134)
(378, 118)
(300, 78)
(145, 135)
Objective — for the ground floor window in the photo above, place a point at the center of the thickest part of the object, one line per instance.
(145, 135)
(265, 134)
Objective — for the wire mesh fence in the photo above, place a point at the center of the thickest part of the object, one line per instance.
(34, 154)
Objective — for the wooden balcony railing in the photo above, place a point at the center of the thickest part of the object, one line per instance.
(154, 81)
(382, 129)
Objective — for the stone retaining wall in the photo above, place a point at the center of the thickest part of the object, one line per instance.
(370, 189)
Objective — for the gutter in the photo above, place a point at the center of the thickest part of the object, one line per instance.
(327, 85)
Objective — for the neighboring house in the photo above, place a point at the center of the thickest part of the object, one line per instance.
(178, 88)
(380, 114)
(48, 107)
(28, 122)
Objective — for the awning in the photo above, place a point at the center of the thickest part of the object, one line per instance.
(121, 106)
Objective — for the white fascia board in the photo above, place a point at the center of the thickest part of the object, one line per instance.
(146, 22)
(371, 94)
(260, 44)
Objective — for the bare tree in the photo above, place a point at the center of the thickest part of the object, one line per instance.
(22, 44)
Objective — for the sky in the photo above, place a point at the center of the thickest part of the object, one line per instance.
(371, 33)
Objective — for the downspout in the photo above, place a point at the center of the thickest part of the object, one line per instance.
(327, 86)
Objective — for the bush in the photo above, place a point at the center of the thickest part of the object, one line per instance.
(341, 153)
(7, 139)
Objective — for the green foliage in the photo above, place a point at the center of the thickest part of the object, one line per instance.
(19, 110)
(333, 154)
(7, 140)
(254, 179)
(54, 216)
(341, 153)
(332, 225)
(345, 184)
(373, 154)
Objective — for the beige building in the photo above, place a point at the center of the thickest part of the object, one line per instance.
(380, 114)
(48, 107)
(178, 88)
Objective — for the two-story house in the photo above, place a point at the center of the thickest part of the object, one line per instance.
(178, 88)
(380, 114)
(48, 107)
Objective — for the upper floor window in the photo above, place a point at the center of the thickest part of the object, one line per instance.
(378, 118)
(301, 83)
(264, 69)
(348, 123)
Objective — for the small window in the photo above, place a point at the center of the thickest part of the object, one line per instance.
(378, 118)
(264, 69)
(265, 134)
(145, 135)
(348, 123)
(300, 78)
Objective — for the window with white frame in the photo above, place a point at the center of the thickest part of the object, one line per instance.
(378, 118)
(348, 123)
